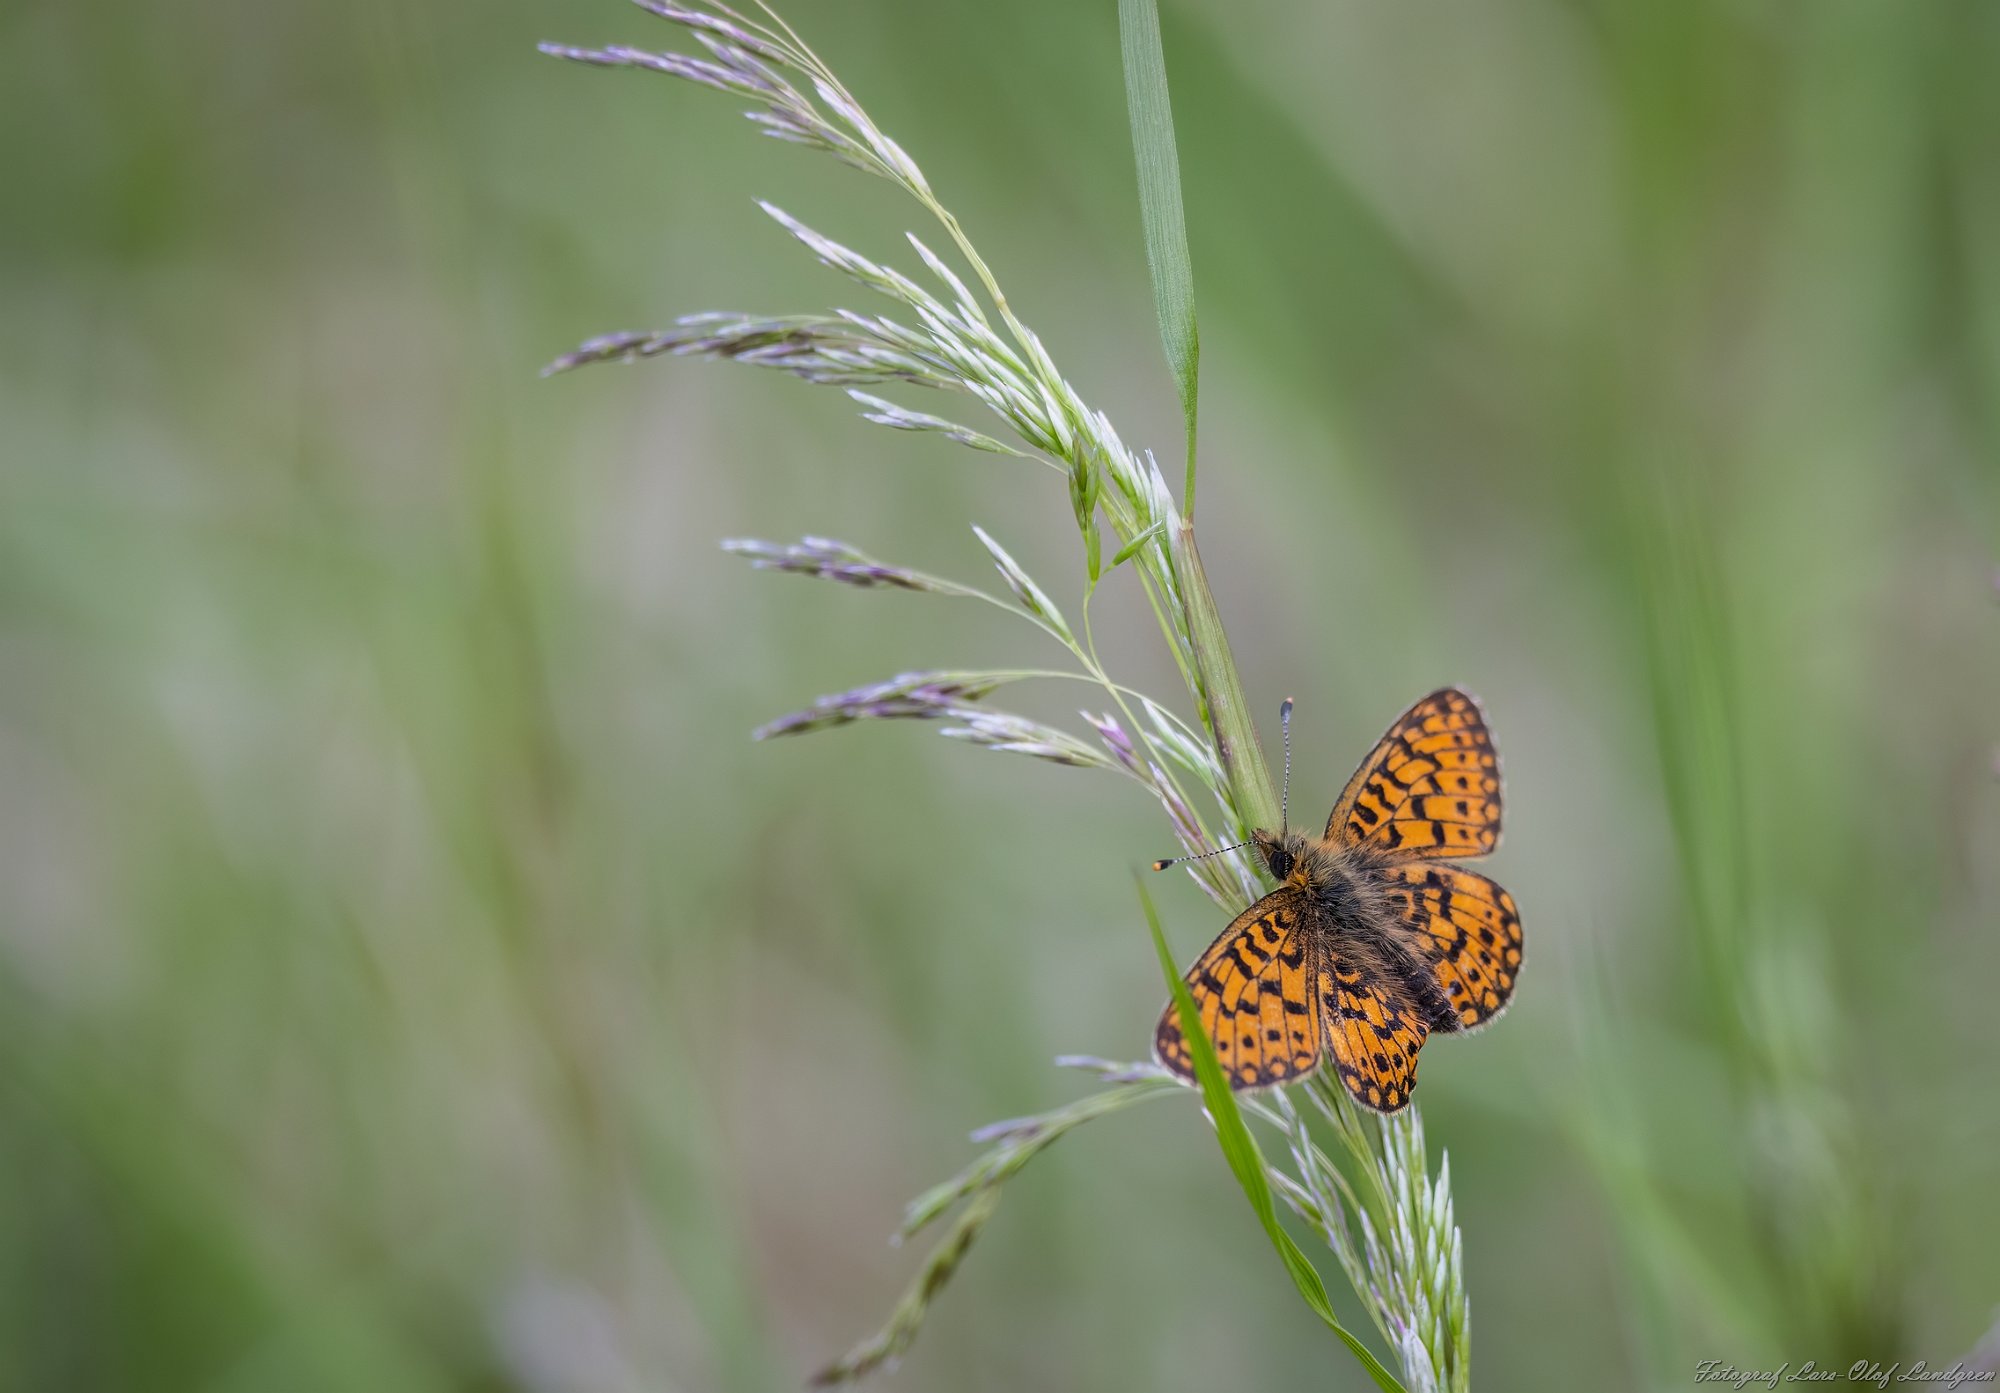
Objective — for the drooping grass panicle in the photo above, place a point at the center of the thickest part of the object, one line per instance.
(1372, 1199)
(1032, 597)
(826, 559)
(818, 348)
(1014, 1143)
(906, 696)
(953, 345)
(882, 1349)
(888, 413)
(950, 697)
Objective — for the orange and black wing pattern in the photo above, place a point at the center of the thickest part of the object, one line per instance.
(1430, 789)
(1465, 927)
(1373, 1030)
(1251, 989)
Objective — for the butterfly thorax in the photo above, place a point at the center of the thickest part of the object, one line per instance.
(1341, 880)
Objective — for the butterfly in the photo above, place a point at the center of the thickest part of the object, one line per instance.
(1373, 940)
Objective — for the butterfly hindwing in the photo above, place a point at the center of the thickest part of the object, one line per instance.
(1429, 789)
(1373, 1029)
(1466, 928)
(1251, 989)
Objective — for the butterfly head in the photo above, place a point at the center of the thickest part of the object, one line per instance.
(1287, 855)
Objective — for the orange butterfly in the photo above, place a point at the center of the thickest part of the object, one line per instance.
(1372, 940)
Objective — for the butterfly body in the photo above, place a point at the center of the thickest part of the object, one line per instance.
(1342, 880)
(1350, 901)
(1371, 941)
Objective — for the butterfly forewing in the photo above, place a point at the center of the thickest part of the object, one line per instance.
(1430, 788)
(1251, 989)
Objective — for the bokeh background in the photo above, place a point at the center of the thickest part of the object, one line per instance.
(411, 976)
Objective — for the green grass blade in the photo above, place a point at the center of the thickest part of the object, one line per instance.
(1160, 206)
(1226, 711)
(1240, 1148)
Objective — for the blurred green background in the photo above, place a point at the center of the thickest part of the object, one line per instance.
(412, 978)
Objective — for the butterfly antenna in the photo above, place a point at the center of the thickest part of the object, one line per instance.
(1285, 798)
(1203, 856)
